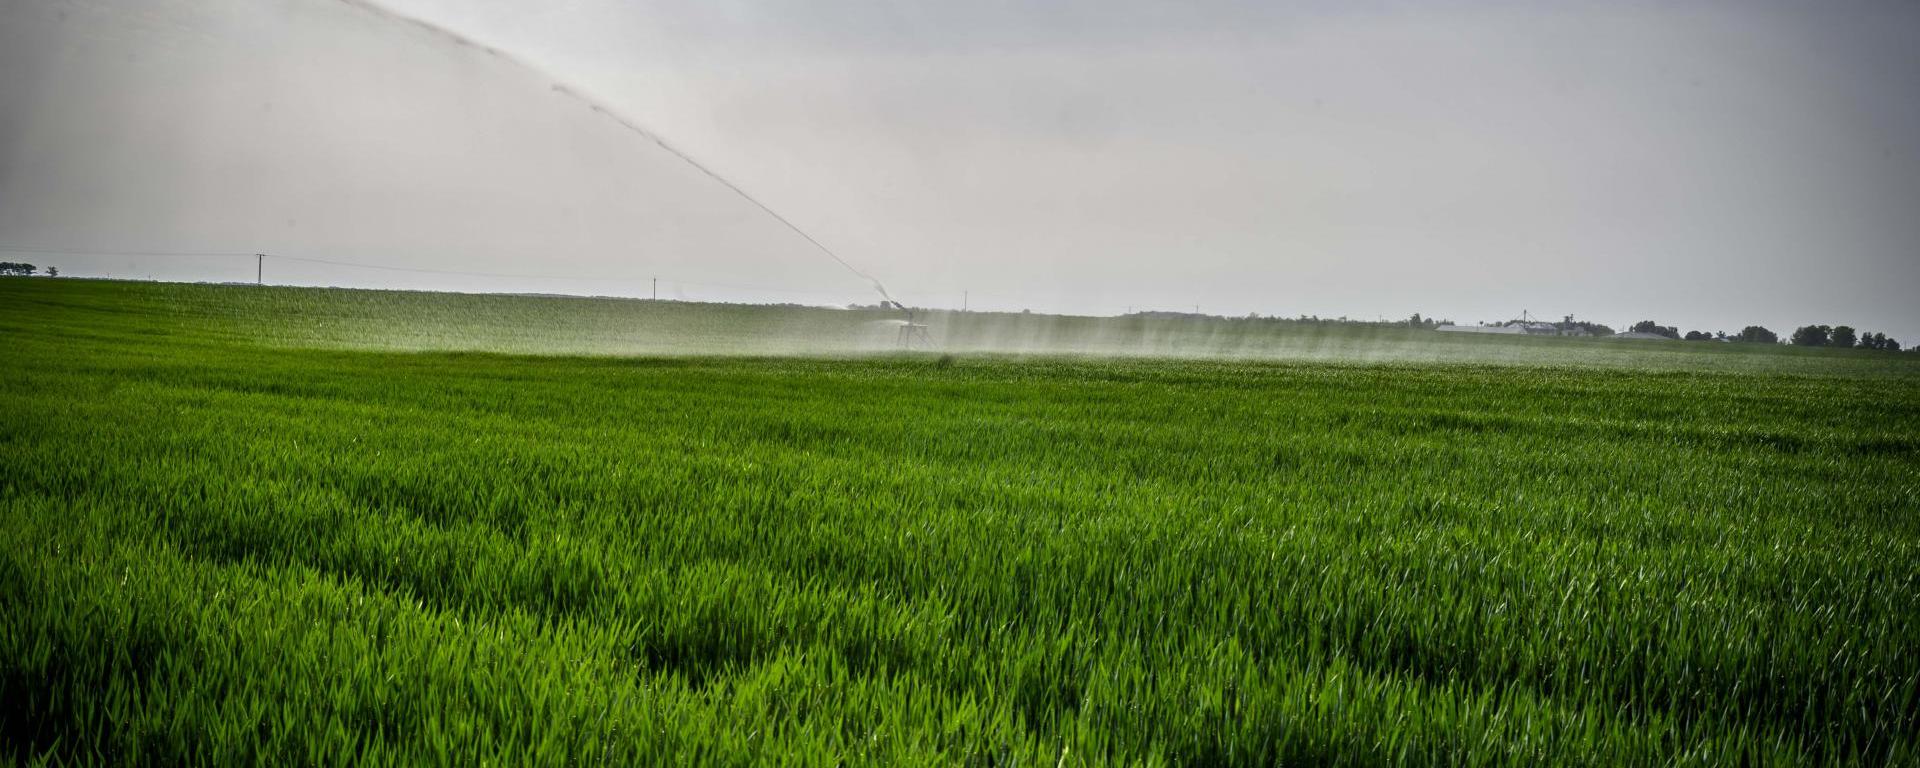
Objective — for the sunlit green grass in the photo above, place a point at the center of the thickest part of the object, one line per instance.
(237, 526)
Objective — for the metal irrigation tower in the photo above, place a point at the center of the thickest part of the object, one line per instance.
(910, 330)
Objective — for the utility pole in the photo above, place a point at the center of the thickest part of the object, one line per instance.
(656, 289)
(259, 268)
(963, 301)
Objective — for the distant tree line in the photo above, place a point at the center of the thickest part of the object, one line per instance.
(1592, 329)
(1649, 326)
(1835, 336)
(1842, 337)
(18, 269)
(1428, 323)
(1752, 334)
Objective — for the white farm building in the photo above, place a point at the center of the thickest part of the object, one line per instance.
(1517, 328)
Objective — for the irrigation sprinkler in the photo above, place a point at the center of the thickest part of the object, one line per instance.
(911, 331)
(379, 9)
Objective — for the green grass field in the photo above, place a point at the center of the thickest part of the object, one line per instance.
(298, 526)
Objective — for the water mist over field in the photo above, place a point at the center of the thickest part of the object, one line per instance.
(306, 318)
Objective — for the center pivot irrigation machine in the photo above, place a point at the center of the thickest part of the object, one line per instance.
(911, 332)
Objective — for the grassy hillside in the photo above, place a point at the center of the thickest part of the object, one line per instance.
(284, 525)
(534, 325)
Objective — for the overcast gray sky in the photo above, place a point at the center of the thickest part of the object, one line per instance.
(1707, 165)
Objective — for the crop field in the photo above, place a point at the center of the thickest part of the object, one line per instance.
(297, 526)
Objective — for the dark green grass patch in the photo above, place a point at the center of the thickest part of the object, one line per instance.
(221, 547)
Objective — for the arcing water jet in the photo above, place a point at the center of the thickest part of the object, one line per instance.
(565, 90)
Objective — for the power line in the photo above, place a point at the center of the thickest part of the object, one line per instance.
(525, 276)
(309, 259)
(739, 287)
(422, 270)
(81, 252)
(258, 255)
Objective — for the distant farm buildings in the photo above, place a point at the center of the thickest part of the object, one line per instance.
(1509, 329)
(1531, 326)
(1520, 328)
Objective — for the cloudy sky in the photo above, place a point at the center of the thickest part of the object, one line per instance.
(1707, 165)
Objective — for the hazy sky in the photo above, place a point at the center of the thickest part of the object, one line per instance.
(1707, 165)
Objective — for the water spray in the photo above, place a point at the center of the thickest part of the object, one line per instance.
(603, 110)
(911, 330)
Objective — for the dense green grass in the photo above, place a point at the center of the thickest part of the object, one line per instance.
(239, 526)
